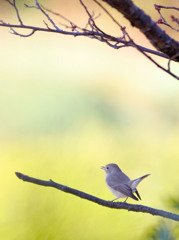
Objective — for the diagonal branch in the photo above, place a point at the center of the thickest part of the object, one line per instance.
(16, 9)
(138, 18)
(115, 205)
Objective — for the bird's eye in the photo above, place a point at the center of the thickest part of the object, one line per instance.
(107, 167)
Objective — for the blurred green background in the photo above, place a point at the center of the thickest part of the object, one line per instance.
(70, 105)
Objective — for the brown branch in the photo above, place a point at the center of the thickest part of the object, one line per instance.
(91, 30)
(138, 18)
(110, 204)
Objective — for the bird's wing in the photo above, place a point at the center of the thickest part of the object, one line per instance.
(124, 189)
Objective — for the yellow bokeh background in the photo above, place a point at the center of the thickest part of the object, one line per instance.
(70, 105)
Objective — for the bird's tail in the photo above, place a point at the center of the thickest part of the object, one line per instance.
(135, 182)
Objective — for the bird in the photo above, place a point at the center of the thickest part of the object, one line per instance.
(120, 184)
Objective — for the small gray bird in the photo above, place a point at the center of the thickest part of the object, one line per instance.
(120, 184)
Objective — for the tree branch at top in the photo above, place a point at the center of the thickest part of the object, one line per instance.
(166, 46)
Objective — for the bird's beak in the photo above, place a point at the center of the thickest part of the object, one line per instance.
(102, 167)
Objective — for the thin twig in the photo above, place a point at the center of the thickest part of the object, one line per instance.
(157, 64)
(22, 35)
(72, 25)
(105, 10)
(169, 62)
(173, 8)
(50, 20)
(162, 19)
(16, 9)
(17, 12)
(91, 20)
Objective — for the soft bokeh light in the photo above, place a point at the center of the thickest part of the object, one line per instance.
(68, 106)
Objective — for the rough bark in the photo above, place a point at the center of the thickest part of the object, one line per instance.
(138, 18)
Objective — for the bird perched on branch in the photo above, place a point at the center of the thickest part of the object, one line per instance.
(120, 184)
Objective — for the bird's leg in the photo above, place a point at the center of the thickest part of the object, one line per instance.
(125, 200)
(114, 199)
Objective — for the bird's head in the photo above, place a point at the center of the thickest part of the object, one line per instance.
(111, 167)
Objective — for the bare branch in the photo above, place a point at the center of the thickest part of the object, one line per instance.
(110, 204)
(138, 18)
